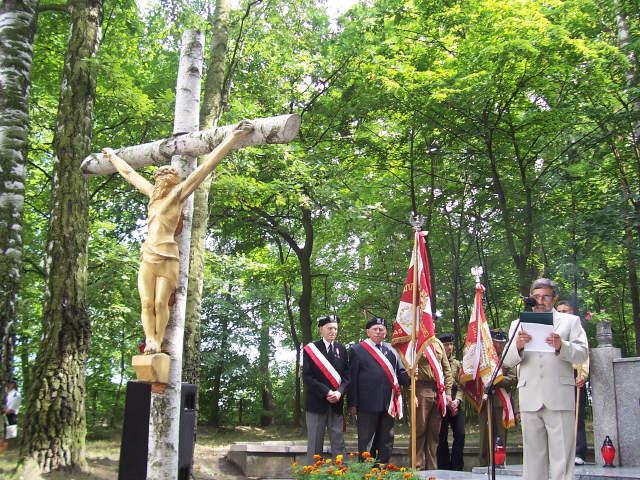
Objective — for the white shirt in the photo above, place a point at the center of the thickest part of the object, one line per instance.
(13, 401)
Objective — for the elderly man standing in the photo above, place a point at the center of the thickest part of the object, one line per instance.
(325, 373)
(546, 387)
(376, 374)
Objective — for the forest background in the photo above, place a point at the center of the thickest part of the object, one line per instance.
(511, 126)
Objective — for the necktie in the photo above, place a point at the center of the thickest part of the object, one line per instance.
(330, 350)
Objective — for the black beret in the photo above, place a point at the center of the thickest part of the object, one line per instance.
(499, 335)
(446, 337)
(328, 319)
(376, 321)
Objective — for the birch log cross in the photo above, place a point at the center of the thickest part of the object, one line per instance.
(271, 130)
(181, 151)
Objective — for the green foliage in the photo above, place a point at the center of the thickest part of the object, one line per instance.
(509, 125)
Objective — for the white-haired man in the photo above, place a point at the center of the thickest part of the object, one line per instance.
(546, 389)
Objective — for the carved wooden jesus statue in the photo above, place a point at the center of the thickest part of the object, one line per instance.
(159, 260)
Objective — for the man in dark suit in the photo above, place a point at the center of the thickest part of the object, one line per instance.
(376, 374)
(325, 373)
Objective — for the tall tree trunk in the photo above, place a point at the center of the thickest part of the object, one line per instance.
(219, 367)
(519, 253)
(266, 418)
(17, 28)
(304, 258)
(211, 111)
(297, 405)
(633, 80)
(55, 423)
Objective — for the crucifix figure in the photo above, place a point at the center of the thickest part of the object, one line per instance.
(161, 272)
(159, 256)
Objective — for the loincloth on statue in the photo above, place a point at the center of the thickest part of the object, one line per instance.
(160, 265)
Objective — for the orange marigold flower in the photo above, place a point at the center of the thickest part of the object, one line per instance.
(375, 470)
(366, 455)
(317, 457)
(339, 459)
(407, 475)
(368, 475)
(318, 463)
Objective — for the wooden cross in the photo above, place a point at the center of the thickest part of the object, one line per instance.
(182, 149)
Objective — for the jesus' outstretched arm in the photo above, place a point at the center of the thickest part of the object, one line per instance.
(129, 174)
(211, 160)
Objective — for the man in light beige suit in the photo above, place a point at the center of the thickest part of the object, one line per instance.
(546, 389)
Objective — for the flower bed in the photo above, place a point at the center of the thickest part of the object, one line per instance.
(353, 470)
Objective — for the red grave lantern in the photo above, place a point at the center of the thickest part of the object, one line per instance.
(499, 453)
(608, 452)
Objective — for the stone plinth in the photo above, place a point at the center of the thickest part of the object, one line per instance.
(273, 459)
(603, 385)
(627, 375)
(152, 368)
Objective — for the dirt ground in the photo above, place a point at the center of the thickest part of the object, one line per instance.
(210, 464)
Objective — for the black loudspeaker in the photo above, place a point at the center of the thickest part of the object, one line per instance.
(188, 394)
(135, 431)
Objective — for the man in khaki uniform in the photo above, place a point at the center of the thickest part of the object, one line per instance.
(582, 373)
(452, 460)
(508, 382)
(428, 414)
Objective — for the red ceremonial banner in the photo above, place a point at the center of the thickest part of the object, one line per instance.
(480, 360)
(403, 327)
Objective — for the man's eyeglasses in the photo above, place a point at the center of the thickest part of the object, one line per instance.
(546, 298)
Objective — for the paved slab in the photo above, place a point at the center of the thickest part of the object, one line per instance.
(449, 475)
(582, 472)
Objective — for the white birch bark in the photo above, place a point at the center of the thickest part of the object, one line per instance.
(280, 129)
(164, 428)
(17, 26)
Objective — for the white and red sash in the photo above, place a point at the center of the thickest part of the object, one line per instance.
(508, 415)
(438, 376)
(395, 404)
(324, 365)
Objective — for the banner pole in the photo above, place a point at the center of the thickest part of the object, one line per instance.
(414, 366)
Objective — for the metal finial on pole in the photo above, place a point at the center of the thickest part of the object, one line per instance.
(416, 221)
(477, 273)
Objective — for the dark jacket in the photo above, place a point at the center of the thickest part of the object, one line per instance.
(317, 385)
(370, 389)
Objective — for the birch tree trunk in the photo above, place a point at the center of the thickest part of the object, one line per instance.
(17, 27)
(633, 80)
(54, 419)
(210, 114)
(164, 428)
